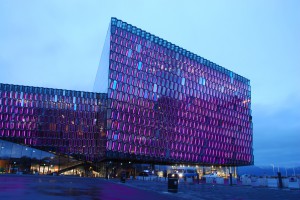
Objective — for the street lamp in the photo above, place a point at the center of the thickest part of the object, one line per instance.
(294, 171)
(286, 174)
(273, 169)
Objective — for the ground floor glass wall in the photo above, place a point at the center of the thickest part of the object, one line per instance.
(20, 159)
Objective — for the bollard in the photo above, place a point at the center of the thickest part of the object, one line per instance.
(279, 180)
(123, 177)
(173, 183)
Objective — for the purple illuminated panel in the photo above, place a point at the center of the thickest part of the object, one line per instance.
(168, 105)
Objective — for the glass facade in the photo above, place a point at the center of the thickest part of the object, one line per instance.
(160, 104)
(168, 105)
(61, 121)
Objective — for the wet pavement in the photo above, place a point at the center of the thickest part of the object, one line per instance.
(31, 187)
(64, 187)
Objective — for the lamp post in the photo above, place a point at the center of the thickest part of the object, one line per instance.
(273, 169)
(294, 171)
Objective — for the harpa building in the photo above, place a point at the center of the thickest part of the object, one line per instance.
(152, 102)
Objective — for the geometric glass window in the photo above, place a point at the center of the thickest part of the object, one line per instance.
(231, 77)
(115, 136)
(146, 94)
(202, 81)
(182, 81)
(129, 53)
(177, 56)
(139, 48)
(222, 88)
(155, 87)
(140, 65)
(115, 84)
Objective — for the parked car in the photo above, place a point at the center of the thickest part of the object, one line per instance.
(143, 174)
(185, 172)
(211, 175)
(244, 176)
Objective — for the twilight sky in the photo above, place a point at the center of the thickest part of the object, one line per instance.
(57, 44)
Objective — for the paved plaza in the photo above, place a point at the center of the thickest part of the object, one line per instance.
(205, 191)
(64, 187)
(30, 187)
